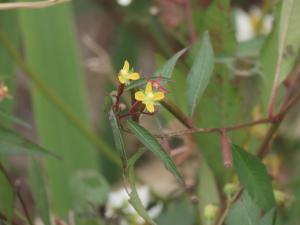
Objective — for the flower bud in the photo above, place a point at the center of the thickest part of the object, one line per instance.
(211, 212)
(3, 91)
(280, 197)
(230, 189)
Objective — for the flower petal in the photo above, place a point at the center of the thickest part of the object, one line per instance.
(126, 66)
(139, 96)
(148, 88)
(122, 79)
(150, 107)
(158, 96)
(134, 76)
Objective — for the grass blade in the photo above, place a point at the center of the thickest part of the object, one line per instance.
(56, 61)
(39, 192)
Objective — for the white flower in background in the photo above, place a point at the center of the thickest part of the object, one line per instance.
(252, 24)
(124, 2)
(118, 200)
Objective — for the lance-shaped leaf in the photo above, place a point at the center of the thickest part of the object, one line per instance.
(7, 196)
(167, 69)
(200, 73)
(281, 49)
(118, 138)
(134, 199)
(253, 176)
(39, 192)
(143, 81)
(153, 145)
(13, 143)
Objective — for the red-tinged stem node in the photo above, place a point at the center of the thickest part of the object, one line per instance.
(226, 149)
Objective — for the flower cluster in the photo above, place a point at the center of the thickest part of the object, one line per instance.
(149, 97)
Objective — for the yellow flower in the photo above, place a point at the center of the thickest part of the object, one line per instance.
(149, 98)
(125, 75)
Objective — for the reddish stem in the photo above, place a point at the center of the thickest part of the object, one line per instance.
(226, 149)
(119, 94)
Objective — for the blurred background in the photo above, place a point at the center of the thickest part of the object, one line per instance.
(75, 50)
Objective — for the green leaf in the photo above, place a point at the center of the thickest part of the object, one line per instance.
(142, 81)
(153, 145)
(134, 199)
(253, 176)
(13, 119)
(246, 212)
(178, 212)
(217, 19)
(281, 49)
(9, 26)
(7, 196)
(200, 73)
(13, 143)
(118, 138)
(289, 39)
(39, 192)
(269, 218)
(55, 62)
(167, 69)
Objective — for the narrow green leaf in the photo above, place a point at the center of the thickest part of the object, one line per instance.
(7, 197)
(134, 199)
(142, 81)
(13, 119)
(281, 49)
(253, 175)
(289, 39)
(55, 61)
(118, 138)
(167, 69)
(13, 143)
(200, 73)
(153, 145)
(39, 192)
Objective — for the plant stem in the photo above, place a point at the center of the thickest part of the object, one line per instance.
(215, 129)
(53, 98)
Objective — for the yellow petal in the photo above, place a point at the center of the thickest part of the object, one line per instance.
(134, 76)
(126, 66)
(150, 107)
(139, 96)
(148, 88)
(158, 96)
(122, 79)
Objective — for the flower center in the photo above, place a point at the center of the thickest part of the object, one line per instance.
(149, 97)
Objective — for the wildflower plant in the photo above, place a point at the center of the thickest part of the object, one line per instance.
(227, 93)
